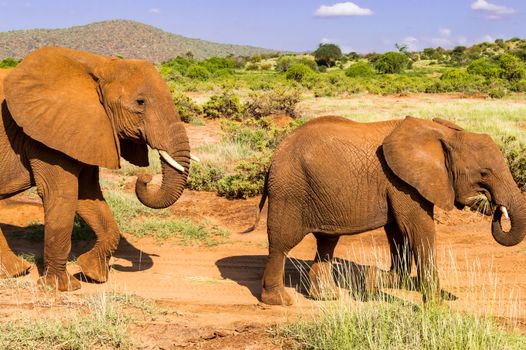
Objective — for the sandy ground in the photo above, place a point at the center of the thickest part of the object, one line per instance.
(211, 293)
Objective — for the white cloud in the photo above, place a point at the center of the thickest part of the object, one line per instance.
(493, 11)
(488, 38)
(411, 42)
(154, 10)
(342, 9)
(445, 32)
(345, 47)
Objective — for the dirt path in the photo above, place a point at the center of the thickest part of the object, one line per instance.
(211, 293)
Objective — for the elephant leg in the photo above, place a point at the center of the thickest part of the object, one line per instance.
(424, 252)
(281, 241)
(10, 264)
(57, 185)
(94, 210)
(322, 285)
(401, 257)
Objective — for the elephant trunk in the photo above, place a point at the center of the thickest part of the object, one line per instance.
(517, 215)
(173, 180)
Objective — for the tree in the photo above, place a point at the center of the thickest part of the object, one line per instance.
(391, 62)
(512, 67)
(458, 55)
(327, 55)
(401, 47)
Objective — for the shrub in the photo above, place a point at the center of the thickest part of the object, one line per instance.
(512, 67)
(187, 108)
(247, 180)
(215, 63)
(8, 62)
(203, 177)
(484, 67)
(226, 105)
(360, 69)
(197, 72)
(298, 72)
(278, 100)
(515, 153)
(497, 92)
(454, 74)
(252, 66)
(284, 62)
(327, 55)
(391, 62)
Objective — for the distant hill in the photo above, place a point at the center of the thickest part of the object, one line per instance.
(125, 38)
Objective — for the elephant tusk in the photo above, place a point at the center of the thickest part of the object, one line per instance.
(192, 157)
(171, 161)
(504, 211)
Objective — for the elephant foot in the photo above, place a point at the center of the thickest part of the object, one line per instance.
(322, 285)
(63, 282)
(94, 266)
(13, 266)
(276, 296)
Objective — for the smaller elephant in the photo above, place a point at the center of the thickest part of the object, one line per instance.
(334, 177)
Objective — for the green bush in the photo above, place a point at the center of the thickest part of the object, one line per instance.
(360, 69)
(278, 100)
(512, 67)
(515, 153)
(327, 55)
(8, 62)
(187, 108)
(213, 64)
(391, 62)
(226, 105)
(197, 72)
(247, 180)
(484, 67)
(203, 177)
(497, 92)
(284, 62)
(298, 72)
(454, 74)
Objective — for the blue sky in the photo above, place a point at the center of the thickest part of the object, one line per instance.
(296, 25)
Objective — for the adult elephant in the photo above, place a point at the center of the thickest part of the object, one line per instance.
(65, 113)
(334, 176)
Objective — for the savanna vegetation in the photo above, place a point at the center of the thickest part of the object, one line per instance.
(246, 92)
(258, 100)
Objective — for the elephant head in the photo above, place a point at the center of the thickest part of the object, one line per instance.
(449, 166)
(96, 109)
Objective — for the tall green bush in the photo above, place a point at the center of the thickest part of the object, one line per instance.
(512, 67)
(391, 62)
(327, 54)
(360, 69)
(226, 105)
(298, 72)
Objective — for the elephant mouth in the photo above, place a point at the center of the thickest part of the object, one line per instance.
(485, 204)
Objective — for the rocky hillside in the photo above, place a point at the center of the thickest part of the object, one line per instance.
(118, 37)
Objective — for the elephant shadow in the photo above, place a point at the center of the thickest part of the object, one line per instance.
(247, 271)
(28, 242)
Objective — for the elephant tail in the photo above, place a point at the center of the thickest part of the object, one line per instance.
(264, 195)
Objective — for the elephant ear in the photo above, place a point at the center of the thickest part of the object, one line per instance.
(448, 123)
(415, 152)
(135, 153)
(54, 97)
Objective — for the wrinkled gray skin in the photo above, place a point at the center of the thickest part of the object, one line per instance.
(335, 177)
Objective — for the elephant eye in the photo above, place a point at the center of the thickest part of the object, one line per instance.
(140, 102)
(485, 172)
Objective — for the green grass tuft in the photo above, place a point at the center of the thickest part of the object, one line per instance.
(140, 221)
(383, 325)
